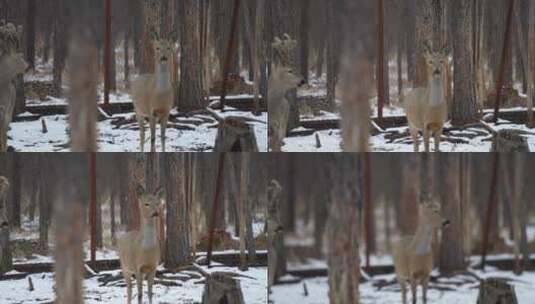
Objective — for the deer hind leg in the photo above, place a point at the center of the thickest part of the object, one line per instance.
(150, 281)
(139, 281)
(163, 129)
(152, 120)
(141, 122)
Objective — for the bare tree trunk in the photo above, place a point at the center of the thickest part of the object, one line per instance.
(191, 85)
(530, 66)
(243, 203)
(342, 232)
(6, 261)
(44, 207)
(30, 33)
(70, 232)
(451, 250)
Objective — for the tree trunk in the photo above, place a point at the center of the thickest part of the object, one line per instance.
(332, 73)
(6, 259)
(68, 216)
(177, 232)
(304, 33)
(60, 45)
(30, 33)
(452, 256)
(15, 193)
(342, 231)
(464, 101)
(191, 85)
(276, 252)
(44, 210)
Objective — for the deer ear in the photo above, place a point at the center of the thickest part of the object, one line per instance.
(160, 193)
(140, 190)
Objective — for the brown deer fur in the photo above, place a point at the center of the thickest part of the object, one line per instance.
(427, 108)
(152, 95)
(413, 255)
(139, 250)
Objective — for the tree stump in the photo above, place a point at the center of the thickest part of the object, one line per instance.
(222, 289)
(235, 135)
(276, 252)
(509, 141)
(496, 291)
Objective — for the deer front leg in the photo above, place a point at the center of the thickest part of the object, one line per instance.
(424, 290)
(426, 138)
(414, 135)
(139, 281)
(141, 122)
(128, 279)
(152, 120)
(413, 291)
(438, 135)
(150, 281)
(163, 129)
(403, 285)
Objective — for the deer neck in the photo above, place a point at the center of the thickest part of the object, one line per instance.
(149, 233)
(435, 90)
(162, 78)
(421, 243)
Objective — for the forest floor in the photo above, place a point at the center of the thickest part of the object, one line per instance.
(314, 111)
(383, 289)
(183, 286)
(120, 132)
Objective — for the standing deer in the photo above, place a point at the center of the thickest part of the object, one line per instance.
(11, 64)
(427, 108)
(139, 250)
(413, 256)
(281, 81)
(152, 95)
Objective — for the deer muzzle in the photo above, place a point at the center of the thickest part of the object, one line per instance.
(445, 223)
(155, 214)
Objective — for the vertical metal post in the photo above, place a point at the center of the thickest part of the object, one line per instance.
(107, 52)
(367, 207)
(503, 63)
(215, 206)
(230, 52)
(490, 209)
(380, 60)
(92, 205)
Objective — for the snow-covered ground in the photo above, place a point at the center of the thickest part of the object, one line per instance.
(459, 289)
(199, 135)
(253, 283)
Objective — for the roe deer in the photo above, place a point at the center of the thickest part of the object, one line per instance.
(152, 95)
(11, 65)
(413, 256)
(139, 251)
(427, 108)
(281, 81)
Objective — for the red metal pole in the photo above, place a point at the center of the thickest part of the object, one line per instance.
(92, 205)
(380, 60)
(490, 209)
(107, 52)
(215, 207)
(367, 207)
(230, 51)
(503, 63)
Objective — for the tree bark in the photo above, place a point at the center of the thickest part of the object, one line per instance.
(6, 259)
(464, 98)
(191, 85)
(30, 33)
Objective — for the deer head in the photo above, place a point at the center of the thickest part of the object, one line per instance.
(286, 78)
(435, 60)
(430, 213)
(150, 204)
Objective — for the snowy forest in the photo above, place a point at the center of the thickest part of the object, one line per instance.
(110, 75)
(73, 226)
(462, 225)
(454, 76)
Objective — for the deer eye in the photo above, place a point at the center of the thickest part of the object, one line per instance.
(146, 205)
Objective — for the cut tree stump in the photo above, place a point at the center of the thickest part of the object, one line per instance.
(222, 289)
(509, 141)
(496, 291)
(235, 135)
